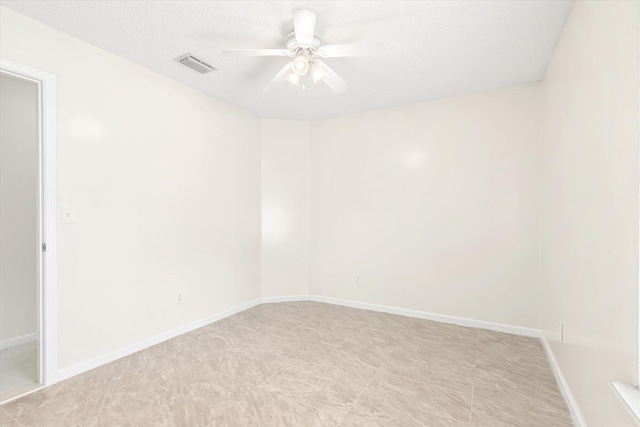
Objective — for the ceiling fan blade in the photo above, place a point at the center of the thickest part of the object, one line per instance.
(304, 25)
(351, 49)
(278, 78)
(334, 81)
(257, 52)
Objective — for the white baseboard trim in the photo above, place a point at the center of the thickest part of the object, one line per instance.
(288, 298)
(576, 415)
(66, 373)
(499, 327)
(22, 339)
(630, 395)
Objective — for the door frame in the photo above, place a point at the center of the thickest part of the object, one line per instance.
(48, 307)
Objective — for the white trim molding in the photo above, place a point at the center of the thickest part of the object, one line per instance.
(630, 395)
(22, 339)
(287, 298)
(48, 268)
(576, 415)
(461, 321)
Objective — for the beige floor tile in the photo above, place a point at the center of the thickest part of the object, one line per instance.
(349, 353)
(163, 410)
(391, 413)
(172, 409)
(6, 420)
(536, 384)
(57, 398)
(502, 341)
(518, 365)
(453, 375)
(241, 366)
(439, 367)
(205, 385)
(291, 334)
(310, 384)
(155, 364)
(357, 420)
(268, 409)
(507, 413)
(111, 387)
(87, 412)
(415, 395)
(497, 349)
(107, 418)
(524, 404)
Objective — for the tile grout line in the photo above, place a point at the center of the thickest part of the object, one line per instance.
(358, 397)
(3, 412)
(277, 372)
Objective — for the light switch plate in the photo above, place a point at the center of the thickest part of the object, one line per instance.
(67, 216)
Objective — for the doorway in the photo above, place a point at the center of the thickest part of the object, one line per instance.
(27, 229)
(19, 232)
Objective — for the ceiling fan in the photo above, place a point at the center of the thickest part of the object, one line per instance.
(305, 49)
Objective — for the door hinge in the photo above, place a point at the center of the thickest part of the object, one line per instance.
(44, 247)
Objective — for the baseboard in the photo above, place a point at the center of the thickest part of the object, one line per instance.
(141, 345)
(22, 339)
(499, 327)
(576, 415)
(288, 298)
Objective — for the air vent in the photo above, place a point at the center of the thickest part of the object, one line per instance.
(195, 64)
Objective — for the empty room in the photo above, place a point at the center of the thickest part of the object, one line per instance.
(320, 213)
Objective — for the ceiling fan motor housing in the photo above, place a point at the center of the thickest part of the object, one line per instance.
(311, 49)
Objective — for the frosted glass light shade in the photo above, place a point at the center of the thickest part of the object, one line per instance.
(300, 66)
(292, 77)
(317, 72)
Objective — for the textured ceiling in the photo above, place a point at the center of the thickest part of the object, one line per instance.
(434, 49)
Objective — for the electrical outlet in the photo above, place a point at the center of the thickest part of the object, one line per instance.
(358, 280)
(67, 216)
(180, 298)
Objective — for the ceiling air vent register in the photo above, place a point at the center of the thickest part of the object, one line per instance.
(195, 63)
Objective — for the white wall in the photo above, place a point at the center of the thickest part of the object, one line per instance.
(165, 185)
(432, 204)
(589, 247)
(285, 207)
(19, 206)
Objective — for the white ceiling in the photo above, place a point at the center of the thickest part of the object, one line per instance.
(434, 49)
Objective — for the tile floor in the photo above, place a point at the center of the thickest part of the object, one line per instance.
(18, 367)
(312, 364)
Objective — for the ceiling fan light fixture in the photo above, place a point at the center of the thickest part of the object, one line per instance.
(292, 77)
(317, 72)
(300, 65)
(305, 49)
